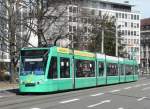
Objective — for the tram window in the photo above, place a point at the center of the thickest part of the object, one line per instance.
(112, 69)
(129, 70)
(121, 69)
(64, 68)
(53, 68)
(85, 68)
(101, 68)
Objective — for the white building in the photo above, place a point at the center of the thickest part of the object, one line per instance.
(127, 19)
(4, 52)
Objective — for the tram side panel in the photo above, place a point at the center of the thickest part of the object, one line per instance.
(85, 74)
(121, 70)
(65, 72)
(101, 72)
(112, 70)
(129, 70)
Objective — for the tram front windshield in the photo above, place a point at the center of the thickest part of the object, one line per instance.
(33, 62)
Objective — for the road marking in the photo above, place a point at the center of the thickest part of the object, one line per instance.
(1, 96)
(98, 94)
(140, 99)
(127, 88)
(144, 84)
(102, 102)
(67, 101)
(120, 108)
(137, 86)
(35, 108)
(145, 88)
(114, 91)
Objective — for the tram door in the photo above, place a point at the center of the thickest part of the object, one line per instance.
(65, 81)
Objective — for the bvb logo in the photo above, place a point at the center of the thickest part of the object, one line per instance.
(29, 80)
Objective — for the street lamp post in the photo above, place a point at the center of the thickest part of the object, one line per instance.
(102, 43)
(116, 39)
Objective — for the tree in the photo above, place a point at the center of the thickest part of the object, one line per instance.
(11, 20)
(8, 16)
(107, 39)
(38, 18)
(43, 15)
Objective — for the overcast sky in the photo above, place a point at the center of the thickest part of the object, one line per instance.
(140, 5)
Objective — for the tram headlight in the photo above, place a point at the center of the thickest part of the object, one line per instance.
(40, 81)
(22, 82)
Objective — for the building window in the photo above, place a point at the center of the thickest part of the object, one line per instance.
(117, 15)
(70, 18)
(70, 8)
(128, 32)
(74, 29)
(93, 12)
(70, 28)
(123, 15)
(129, 41)
(100, 13)
(123, 32)
(89, 21)
(74, 9)
(137, 25)
(132, 25)
(85, 29)
(137, 17)
(104, 5)
(134, 17)
(137, 41)
(126, 24)
(134, 33)
(74, 19)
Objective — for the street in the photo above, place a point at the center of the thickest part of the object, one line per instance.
(134, 95)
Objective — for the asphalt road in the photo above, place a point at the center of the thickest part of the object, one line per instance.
(135, 95)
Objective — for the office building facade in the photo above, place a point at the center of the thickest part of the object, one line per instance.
(145, 45)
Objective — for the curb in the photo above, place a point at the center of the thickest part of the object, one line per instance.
(9, 89)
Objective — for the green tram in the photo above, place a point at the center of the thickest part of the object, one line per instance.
(54, 69)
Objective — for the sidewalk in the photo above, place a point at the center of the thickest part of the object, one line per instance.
(7, 86)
